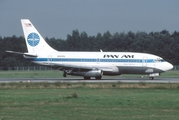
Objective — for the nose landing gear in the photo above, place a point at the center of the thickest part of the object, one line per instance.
(151, 76)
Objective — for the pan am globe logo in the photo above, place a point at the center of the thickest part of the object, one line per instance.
(33, 39)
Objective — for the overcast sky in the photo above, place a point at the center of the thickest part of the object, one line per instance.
(57, 18)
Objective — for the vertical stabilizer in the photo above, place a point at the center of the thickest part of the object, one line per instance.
(34, 41)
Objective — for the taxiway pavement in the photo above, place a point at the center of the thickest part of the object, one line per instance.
(76, 80)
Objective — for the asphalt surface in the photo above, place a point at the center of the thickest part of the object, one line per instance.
(76, 80)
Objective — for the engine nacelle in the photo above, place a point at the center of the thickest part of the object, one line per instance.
(94, 73)
(85, 73)
(112, 71)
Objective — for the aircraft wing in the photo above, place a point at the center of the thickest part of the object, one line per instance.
(70, 67)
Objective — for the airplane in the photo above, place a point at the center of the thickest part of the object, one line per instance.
(89, 64)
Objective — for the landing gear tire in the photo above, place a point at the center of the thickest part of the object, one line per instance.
(151, 78)
(64, 75)
(98, 78)
(87, 78)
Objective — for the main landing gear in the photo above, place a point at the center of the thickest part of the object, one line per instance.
(64, 73)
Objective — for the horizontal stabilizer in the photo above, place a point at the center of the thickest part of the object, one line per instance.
(26, 54)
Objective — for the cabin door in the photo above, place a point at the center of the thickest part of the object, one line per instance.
(49, 59)
(97, 60)
(144, 61)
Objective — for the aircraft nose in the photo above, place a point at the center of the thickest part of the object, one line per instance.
(169, 66)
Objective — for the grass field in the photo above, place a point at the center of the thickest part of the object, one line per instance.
(59, 74)
(83, 101)
(87, 101)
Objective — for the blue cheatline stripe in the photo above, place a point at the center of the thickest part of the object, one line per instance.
(93, 60)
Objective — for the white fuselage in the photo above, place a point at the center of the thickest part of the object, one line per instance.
(111, 63)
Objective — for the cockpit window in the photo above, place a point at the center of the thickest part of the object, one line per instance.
(159, 60)
(162, 60)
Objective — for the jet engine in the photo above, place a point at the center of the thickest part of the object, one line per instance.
(87, 74)
(93, 73)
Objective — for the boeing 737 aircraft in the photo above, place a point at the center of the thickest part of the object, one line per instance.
(89, 64)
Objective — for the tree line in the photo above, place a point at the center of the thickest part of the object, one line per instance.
(163, 44)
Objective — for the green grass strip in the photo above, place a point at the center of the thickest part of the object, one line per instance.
(103, 101)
